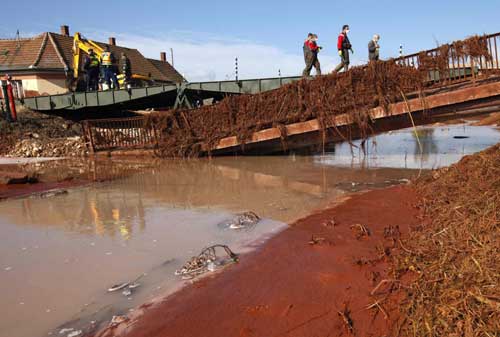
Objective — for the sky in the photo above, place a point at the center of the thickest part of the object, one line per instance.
(266, 36)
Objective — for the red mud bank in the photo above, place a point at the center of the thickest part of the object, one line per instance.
(314, 279)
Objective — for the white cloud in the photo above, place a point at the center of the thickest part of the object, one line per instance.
(201, 57)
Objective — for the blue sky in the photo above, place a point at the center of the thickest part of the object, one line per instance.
(267, 36)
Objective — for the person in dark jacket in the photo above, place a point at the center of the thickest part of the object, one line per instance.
(373, 48)
(344, 46)
(91, 67)
(312, 56)
(305, 47)
(126, 69)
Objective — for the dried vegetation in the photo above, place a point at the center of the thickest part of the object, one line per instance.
(454, 258)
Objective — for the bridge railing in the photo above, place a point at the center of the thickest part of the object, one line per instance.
(458, 67)
(119, 133)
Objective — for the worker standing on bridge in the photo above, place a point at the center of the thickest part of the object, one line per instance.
(312, 56)
(126, 69)
(109, 68)
(344, 46)
(373, 48)
(91, 66)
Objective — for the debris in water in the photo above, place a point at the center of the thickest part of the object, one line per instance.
(7, 268)
(461, 137)
(65, 330)
(117, 320)
(118, 286)
(246, 221)
(54, 193)
(134, 285)
(200, 264)
(75, 333)
(129, 285)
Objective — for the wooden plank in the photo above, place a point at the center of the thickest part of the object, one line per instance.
(400, 108)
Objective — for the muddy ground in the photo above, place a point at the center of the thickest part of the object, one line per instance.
(39, 135)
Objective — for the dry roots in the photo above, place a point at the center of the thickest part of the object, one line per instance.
(455, 256)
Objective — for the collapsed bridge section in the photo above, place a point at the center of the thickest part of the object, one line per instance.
(386, 95)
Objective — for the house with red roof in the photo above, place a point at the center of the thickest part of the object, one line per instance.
(43, 64)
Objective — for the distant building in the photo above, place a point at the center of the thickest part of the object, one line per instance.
(43, 64)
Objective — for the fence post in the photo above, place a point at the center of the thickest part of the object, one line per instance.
(87, 134)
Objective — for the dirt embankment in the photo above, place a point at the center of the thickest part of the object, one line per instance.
(38, 135)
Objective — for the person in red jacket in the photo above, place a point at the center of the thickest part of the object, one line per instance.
(311, 56)
(344, 46)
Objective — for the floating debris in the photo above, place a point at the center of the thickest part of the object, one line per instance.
(65, 330)
(117, 287)
(53, 193)
(461, 137)
(75, 333)
(207, 260)
(242, 221)
(128, 287)
(117, 320)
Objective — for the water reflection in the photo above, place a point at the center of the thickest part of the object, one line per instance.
(426, 144)
(281, 188)
(401, 148)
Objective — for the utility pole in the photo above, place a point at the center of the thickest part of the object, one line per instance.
(400, 50)
(172, 55)
(236, 68)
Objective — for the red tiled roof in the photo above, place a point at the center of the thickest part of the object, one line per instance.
(167, 70)
(29, 53)
(55, 51)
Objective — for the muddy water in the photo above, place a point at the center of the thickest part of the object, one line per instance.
(60, 254)
(429, 147)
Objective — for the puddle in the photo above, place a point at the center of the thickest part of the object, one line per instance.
(441, 146)
(59, 255)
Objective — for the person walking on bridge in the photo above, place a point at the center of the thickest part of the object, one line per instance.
(344, 46)
(108, 62)
(311, 56)
(373, 48)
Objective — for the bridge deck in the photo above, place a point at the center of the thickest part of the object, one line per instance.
(152, 96)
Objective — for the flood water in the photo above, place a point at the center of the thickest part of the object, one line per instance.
(59, 254)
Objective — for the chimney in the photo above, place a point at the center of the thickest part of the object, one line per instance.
(65, 30)
(112, 41)
(163, 56)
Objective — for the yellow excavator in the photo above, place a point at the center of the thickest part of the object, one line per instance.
(80, 44)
